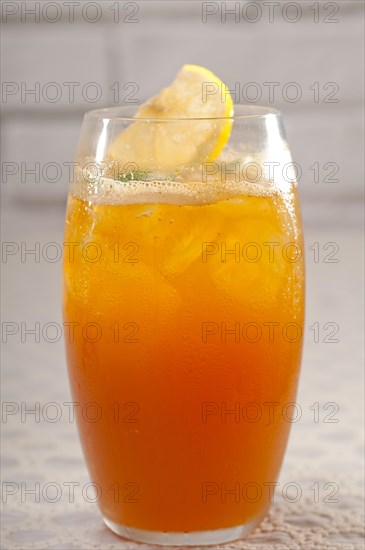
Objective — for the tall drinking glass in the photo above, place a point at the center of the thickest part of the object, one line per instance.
(183, 293)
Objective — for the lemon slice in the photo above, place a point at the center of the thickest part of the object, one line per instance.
(196, 94)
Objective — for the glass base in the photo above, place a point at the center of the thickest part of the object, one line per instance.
(192, 538)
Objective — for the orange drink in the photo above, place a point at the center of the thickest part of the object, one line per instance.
(184, 293)
(189, 332)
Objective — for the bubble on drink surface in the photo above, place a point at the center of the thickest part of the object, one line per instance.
(182, 188)
(235, 173)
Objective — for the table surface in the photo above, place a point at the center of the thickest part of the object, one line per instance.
(326, 450)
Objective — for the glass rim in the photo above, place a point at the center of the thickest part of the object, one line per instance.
(241, 112)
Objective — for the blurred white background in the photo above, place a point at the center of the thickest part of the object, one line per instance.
(60, 59)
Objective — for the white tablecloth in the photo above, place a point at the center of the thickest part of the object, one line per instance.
(328, 454)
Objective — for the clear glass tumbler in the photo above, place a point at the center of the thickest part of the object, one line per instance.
(184, 285)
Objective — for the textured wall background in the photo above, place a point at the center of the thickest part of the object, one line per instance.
(302, 57)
